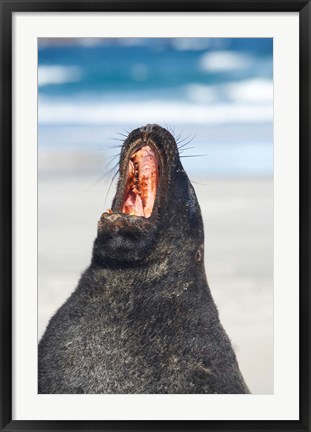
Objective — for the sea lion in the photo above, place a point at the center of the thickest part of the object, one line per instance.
(142, 319)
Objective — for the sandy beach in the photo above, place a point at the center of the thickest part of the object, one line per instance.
(238, 218)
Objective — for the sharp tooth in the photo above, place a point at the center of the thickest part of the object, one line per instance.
(135, 190)
(131, 167)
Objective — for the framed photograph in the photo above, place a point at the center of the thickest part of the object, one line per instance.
(155, 215)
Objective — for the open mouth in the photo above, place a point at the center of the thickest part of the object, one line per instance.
(142, 182)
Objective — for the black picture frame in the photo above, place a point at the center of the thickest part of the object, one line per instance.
(8, 7)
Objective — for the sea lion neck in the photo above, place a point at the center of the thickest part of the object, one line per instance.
(168, 273)
(154, 209)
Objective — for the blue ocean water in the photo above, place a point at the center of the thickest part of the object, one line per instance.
(218, 91)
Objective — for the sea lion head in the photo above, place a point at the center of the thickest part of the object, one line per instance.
(155, 209)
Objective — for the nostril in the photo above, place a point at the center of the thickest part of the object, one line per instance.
(149, 128)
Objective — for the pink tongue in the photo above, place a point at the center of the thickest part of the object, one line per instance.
(141, 196)
(134, 202)
(147, 172)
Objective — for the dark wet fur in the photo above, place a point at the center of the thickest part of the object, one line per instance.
(142, 319)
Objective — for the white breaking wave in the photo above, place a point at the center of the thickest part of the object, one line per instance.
(202, 93)
(255, 91)
(48, 75)
(52, 112)
(224, 61)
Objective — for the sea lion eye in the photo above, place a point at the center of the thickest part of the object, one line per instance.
(199, 253)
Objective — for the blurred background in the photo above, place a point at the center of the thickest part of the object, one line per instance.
(216, 97)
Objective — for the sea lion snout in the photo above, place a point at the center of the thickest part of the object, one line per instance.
(123, 238)
(153, 190)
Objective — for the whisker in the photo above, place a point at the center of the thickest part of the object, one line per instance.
(102, 177)
(195, 155)
(177, 138)
(170, 128)
(106, 174)
(198, 183)
(186, 149)
(191, 136)
(184, 145)
(114, 176)
(115, 146)
(173, 129)
(112, 169)
(122, 134)
(180, 140)
(110, 159)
